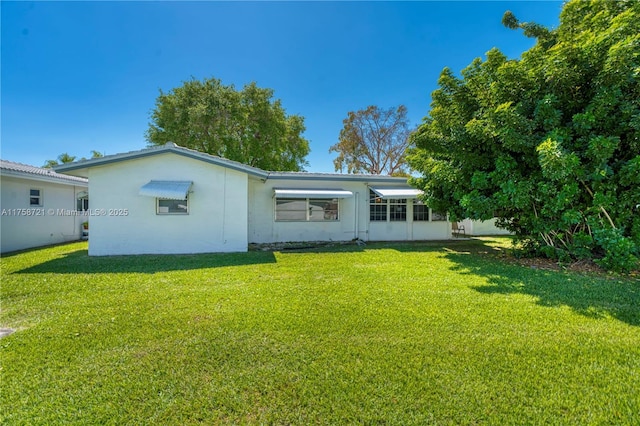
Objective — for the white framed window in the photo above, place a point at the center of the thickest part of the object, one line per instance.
(323, 210)
(35, 197)
(398, 210)
(307, 210)
(377, 208)
(82, 201)
(395, 210)
(166, 206)
(83, 204)
(420, 212)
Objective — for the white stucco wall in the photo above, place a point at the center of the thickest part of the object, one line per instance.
(217, 219)
(409, 230)
(487, 227)
(263, 228)
(46, 225)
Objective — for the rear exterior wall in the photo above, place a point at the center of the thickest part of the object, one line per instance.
(353, 216)
(129, 224)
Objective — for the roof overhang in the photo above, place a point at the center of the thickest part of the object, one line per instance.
(339, 177)
(81, 168)
(395, 193)
(167, 189)
(52, 178)
(312, 193)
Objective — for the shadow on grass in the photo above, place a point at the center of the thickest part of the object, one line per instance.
(594, 296)
(400, 246)
(79, 262)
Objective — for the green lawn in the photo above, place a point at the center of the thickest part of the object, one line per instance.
(438, 333)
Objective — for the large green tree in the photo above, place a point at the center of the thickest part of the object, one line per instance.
(548, 143)
(248, 126)
(373, 140)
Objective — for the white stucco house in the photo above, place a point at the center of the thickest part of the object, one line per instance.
(39, 206)
(169, 199)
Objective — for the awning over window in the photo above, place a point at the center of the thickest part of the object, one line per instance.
(396, 193)
(167, 189)
(312, 193)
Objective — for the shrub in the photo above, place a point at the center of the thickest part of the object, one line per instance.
(620, 252)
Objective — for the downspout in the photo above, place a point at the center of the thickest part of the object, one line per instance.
(75, 225)
(367, 235)
(356, 221)
(410, 223)
(224, 210)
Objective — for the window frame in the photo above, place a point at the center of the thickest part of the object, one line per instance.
(378, 208)
(387, 210)
(172, 213)
(397, 210)
(423, 215)
(82, 201)
(82, 204)
(39, 197)
(308, 210)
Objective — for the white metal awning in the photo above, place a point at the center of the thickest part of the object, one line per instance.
(396, 193)
(312, 193)
(167, 189)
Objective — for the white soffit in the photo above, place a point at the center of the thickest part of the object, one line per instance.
(312, 193)
(396, 193)
(167, 189)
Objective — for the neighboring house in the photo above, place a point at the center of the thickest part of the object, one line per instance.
(39, 206)
(169, 199)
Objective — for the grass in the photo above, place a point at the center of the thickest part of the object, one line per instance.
(437, 333)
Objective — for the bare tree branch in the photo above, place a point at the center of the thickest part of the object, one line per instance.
(373, 140)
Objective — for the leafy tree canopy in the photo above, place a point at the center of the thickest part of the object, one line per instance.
(549, 143)
(373, 140)
(247, 126)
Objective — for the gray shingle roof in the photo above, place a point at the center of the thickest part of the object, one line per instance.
(214, 159)
(168, 147)
(336, 176)
(25, 170)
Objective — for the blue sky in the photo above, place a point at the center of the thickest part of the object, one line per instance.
(82, 76)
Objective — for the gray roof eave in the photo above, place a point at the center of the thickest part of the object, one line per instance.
(336, 177)
(167, 148)
(81, 167)
(62, 180)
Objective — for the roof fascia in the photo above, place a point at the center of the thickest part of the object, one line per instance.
(339, 178)
(42, 178)
(95, 162)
